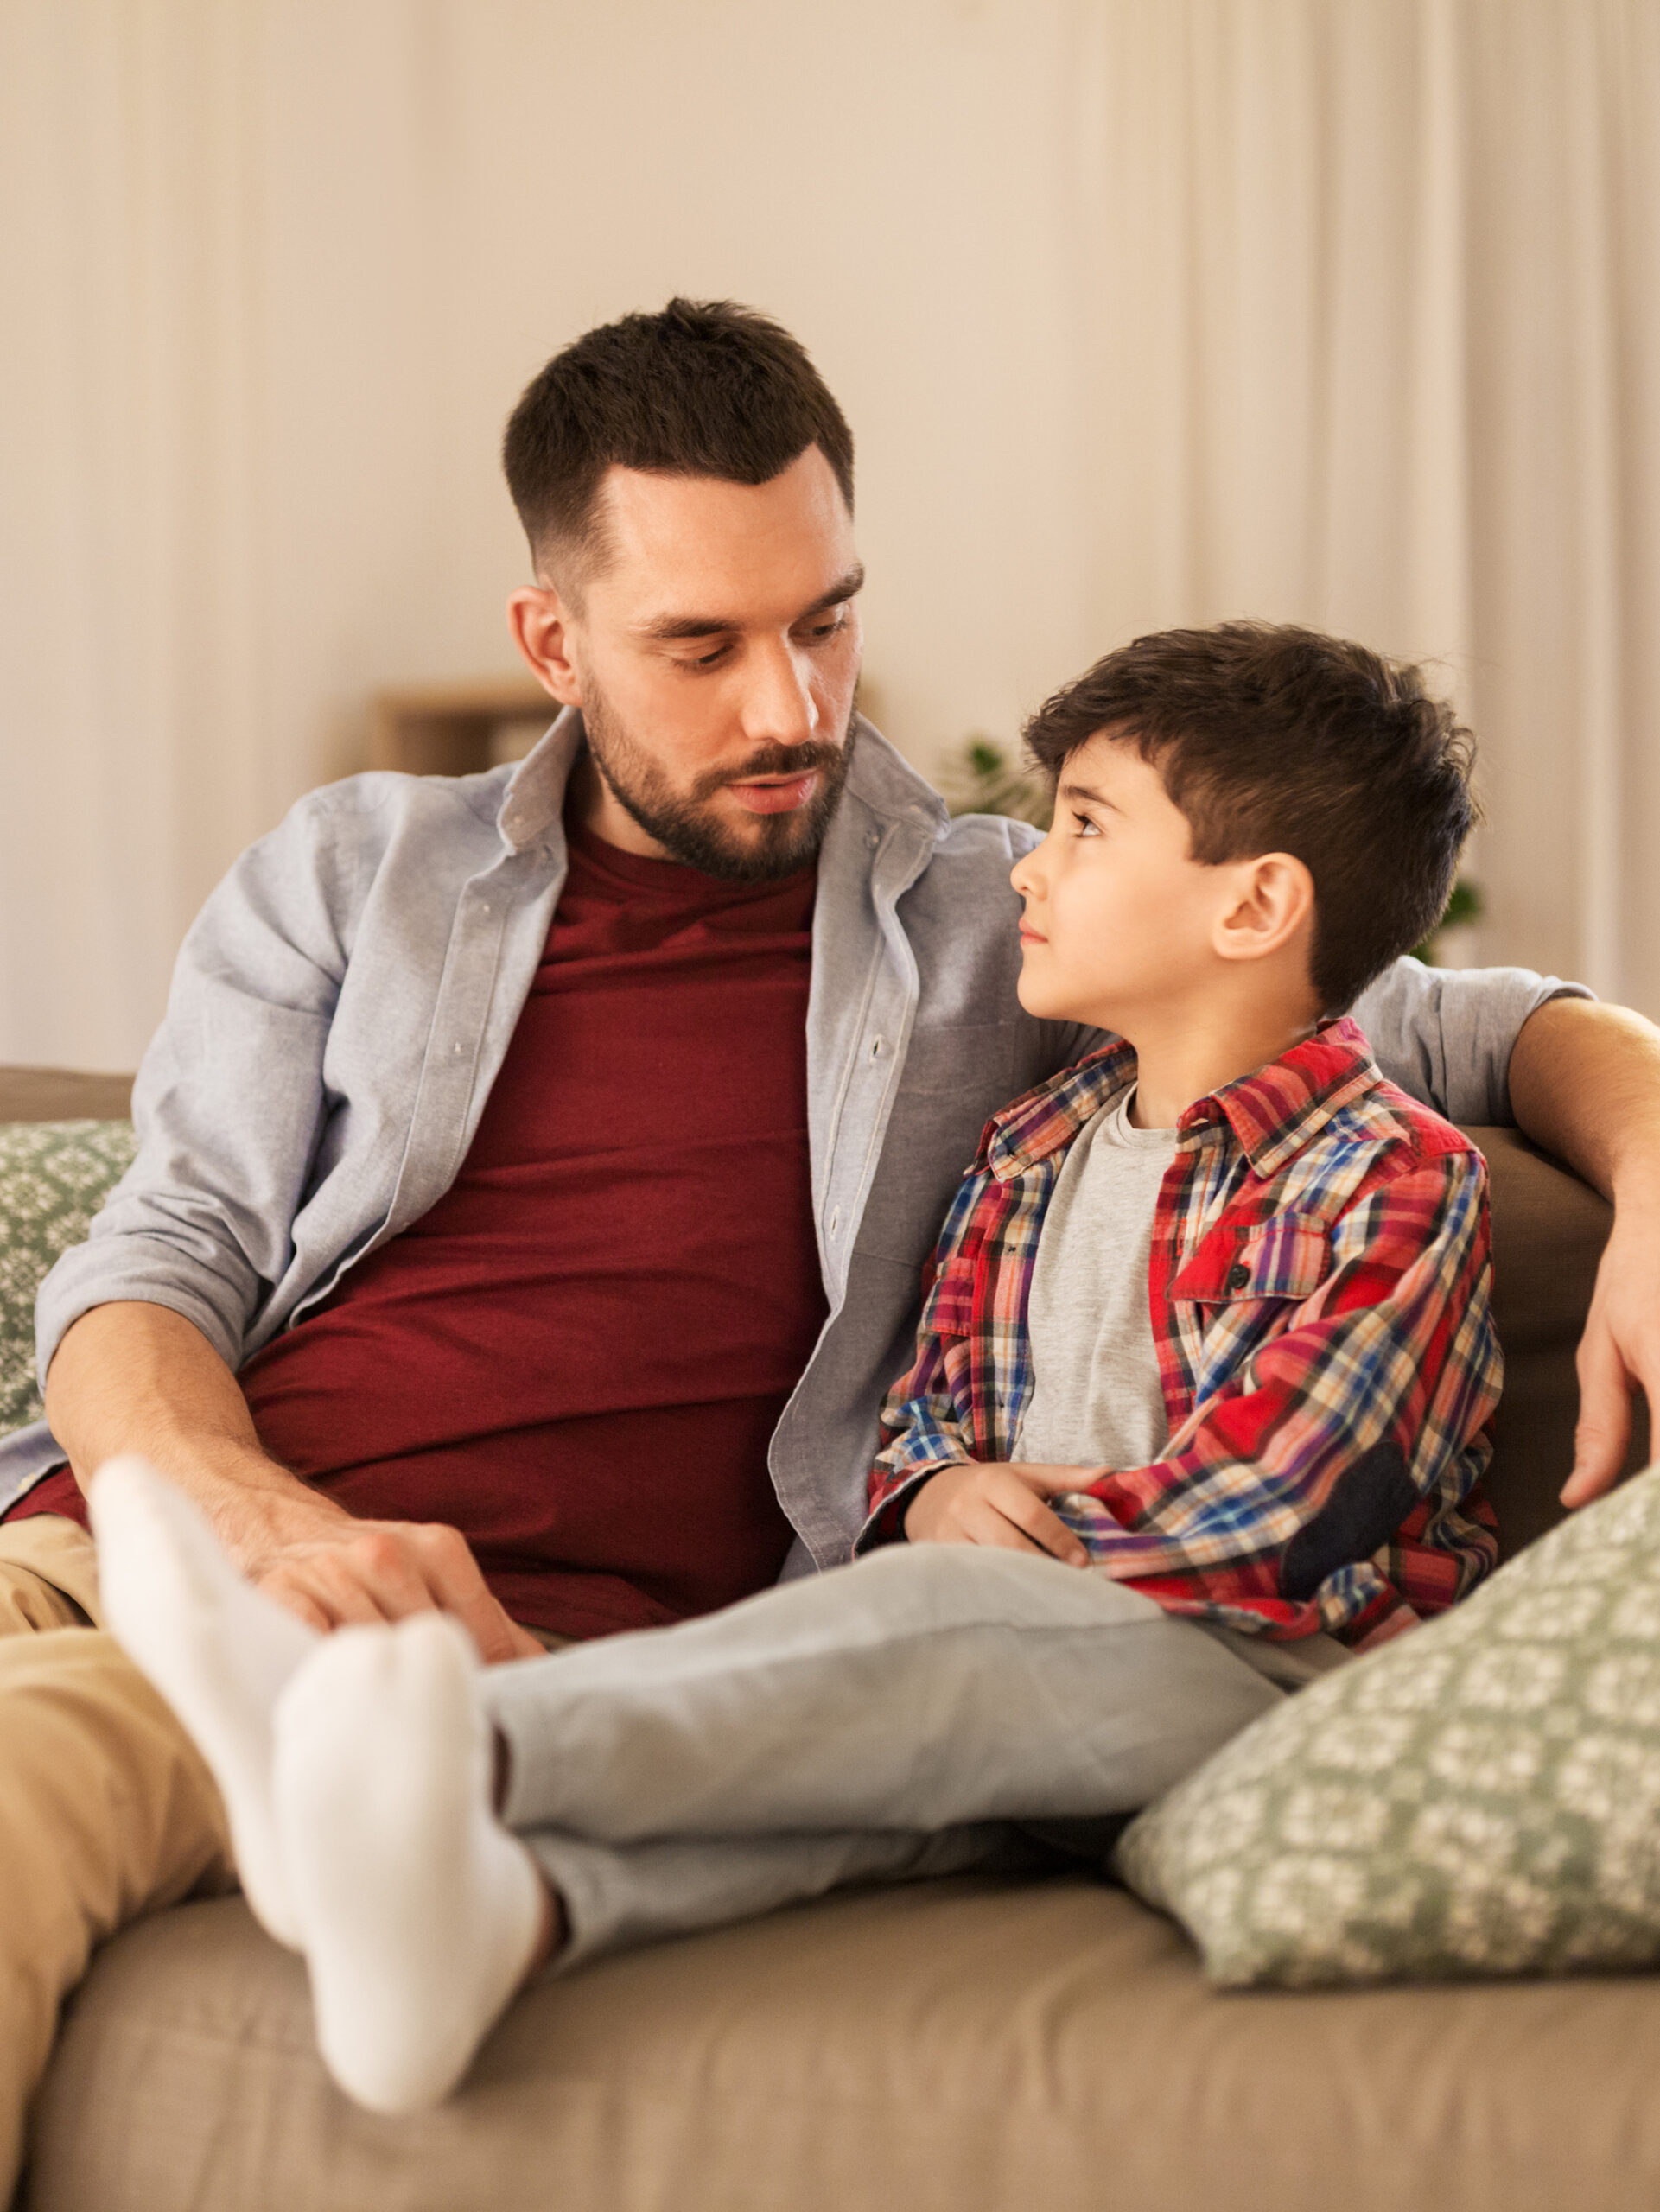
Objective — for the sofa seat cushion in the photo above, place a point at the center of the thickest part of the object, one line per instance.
(962, 2044)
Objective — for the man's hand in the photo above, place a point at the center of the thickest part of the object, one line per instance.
(999, 1502)
(1619, 1351)
(346, 1570)
(131, 1376)
(1585, 1083)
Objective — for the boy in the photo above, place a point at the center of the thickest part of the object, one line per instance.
(1209, 1314)
(1224, 1261)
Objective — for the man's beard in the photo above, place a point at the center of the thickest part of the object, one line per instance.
(685, 824)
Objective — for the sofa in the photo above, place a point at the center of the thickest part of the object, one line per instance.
(1038, 2045)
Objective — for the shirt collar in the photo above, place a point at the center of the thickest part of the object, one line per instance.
(1272, 1112)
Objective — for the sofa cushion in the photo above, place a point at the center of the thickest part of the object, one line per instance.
(53, 1178)
(1482, 1795)
(961, 2046)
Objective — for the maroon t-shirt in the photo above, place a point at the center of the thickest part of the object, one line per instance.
(578, 1357)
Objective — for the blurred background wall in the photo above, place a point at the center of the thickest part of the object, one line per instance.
(1144, 312)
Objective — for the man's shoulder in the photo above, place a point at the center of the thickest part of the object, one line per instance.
(374, 804)
(337, 841)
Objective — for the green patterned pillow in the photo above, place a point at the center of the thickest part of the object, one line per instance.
(53, 1178)
(1480, 1796)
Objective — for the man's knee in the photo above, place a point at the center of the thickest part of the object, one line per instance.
(48, 1576)
(102, 1794)
(31, 1605)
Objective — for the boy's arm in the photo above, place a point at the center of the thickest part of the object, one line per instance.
(1310, 1456)
(930, 1434)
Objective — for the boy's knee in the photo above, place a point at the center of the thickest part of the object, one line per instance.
(981, 1582)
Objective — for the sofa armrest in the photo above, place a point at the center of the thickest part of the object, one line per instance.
(60, 1094)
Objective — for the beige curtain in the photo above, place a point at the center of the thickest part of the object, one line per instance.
(1369, 320)
(1145, 311)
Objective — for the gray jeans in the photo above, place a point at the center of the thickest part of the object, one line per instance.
(888, 1719)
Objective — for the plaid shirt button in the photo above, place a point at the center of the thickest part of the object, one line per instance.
(1238, 1275)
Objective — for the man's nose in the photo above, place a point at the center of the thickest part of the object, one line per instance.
(778, 706)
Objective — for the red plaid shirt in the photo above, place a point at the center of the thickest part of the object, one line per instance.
(1319, 1287)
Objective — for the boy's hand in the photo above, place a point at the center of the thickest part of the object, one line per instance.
(998, 1503)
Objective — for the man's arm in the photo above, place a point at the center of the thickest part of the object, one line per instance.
(1584, 1085)
(136, 1377)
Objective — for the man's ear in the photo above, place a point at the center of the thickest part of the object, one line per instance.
(1268, 902)
(540, 621)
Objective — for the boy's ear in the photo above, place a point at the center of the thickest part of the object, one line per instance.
(1268, 902)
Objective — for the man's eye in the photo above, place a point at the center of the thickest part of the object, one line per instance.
(712, 659)
(817, 633)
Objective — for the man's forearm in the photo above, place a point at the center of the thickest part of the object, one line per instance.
(135, 1377)
(1584, 1085)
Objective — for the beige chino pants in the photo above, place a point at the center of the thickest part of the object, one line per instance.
(106, 1809)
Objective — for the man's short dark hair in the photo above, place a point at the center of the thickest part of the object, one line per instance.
(1273, 739)
(705, 387)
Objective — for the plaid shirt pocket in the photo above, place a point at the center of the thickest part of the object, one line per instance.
(948, 1310)
(1289, 1256)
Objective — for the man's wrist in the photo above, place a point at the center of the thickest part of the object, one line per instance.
(254, 1506)
(1634, 1172)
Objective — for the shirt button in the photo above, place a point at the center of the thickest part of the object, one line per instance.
(1238, 1275)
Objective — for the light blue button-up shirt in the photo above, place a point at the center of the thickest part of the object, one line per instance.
(344, 1002)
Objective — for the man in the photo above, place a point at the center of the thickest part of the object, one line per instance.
(354, 1299)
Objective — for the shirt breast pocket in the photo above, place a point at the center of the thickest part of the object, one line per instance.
(1286, 1257)
(948, 1310)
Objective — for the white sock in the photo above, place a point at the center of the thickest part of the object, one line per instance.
(420, 1913)
(219, 1650)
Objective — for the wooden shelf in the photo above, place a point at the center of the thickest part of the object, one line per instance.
(456, 729)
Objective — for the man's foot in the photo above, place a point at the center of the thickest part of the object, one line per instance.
(220, 1651)
(422, 1915)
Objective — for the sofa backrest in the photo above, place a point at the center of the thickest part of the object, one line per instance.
(1548, 1232)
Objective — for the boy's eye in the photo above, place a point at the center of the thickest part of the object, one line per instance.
(1083, 826)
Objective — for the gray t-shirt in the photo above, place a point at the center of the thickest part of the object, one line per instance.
(1096, 1400)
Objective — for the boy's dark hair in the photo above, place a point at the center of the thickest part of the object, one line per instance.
(1279, 739)
(705, 387)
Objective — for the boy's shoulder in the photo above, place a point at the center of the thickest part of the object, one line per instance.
(1377, 1136)
(1044, 1119)
(1318, 1124)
